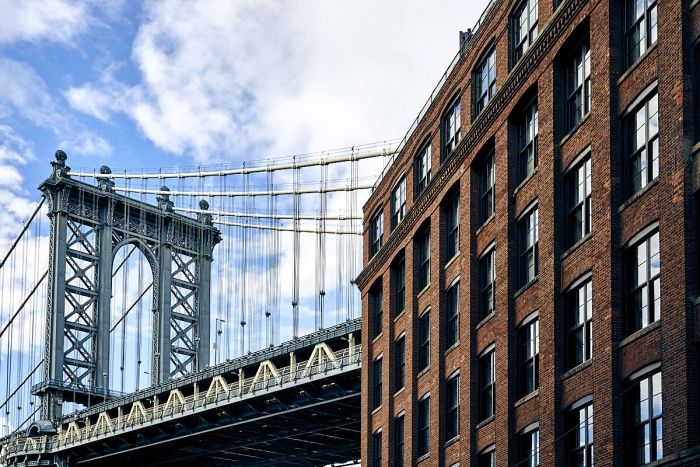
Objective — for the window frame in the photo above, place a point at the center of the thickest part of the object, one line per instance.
(376, 302)
(377, 448)
(487, 65)
(578, 447)
(377, 375)
(574, 205)
(422, 167)
(376, 231)
(574, 326)
(644, 23)
(529, 355)
(653, 420)
(527, 139)
(487, 282)
(487, 387)
(529, 446)
(399, 363)
(487, 186)
(423, 426)
(452, 219)
(519, 44)
(649, 153)
(399, 443)
(489, 451)
(398, 211)
(423, 257)
(525, 249)
(398, 285)
(452, 406)
(423, 342)
(451, 118)
(452, 314)
(651, 282)
(575, 88)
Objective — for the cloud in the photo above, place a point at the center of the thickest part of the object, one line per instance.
(225, 80)
(52, 20)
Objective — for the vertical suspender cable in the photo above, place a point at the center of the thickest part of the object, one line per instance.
(296, 247)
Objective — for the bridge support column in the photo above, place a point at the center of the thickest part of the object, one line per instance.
(104, 285)
(162, 344)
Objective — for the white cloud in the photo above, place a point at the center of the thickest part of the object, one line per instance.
(52, 20)
(222, 80)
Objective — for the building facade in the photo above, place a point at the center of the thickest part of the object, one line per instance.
(530, 285)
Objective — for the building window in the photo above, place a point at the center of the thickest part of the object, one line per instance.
(579, 316)
(452, 422)
(641, 23)
(577, 183)
(398, 203)
(424, 426)
(376, 232)
(423, 257)
(452, 225)
(578, 86)
(485, 81)
(399, 363)
(377, 382)
(529, 447)
(487, 385)
(423, 341)
(528, 236)
(642, 129)
(399, 440)
(452, 300)
(488, 457)
(377, 448)
(422, 169)
(375, 300)
(451, 129)
(487, 283)
(643, 265)
(398, 275)
(528, 131)
(529, 336)
(645, 420)
(524, 22)
(487, 182)
(579, 431)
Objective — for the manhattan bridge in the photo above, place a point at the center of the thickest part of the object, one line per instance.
(205, 315)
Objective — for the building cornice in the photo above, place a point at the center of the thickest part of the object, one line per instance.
(549, 36)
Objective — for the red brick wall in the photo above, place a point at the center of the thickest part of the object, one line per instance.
(673, 341)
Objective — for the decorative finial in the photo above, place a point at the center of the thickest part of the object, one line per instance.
(105, 183)
(204, 205)
(163, 199)
(204, 218)
(60, 169)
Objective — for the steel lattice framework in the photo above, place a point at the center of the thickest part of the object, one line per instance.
(88, 225)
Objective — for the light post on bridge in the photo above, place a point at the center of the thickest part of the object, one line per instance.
(219, 330)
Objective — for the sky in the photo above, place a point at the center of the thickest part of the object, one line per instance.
(185, 83)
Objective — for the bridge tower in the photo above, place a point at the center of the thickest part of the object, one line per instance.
(88, 225)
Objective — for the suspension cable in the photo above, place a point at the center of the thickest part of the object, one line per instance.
(25, 226)
(296, 191)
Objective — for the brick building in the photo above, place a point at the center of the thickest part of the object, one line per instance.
(530, 285)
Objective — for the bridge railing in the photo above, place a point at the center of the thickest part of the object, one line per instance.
(220, 392)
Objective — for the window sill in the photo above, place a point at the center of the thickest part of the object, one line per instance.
(638, 195)
(423, 372)
(377, 337)
(451, 441)
(486, 319)
(526, 398)
(485, 422)
(522, 184)
(452, 260)
(636, 64)
(423, 458)
(573, 131)
(578, 368)
(638, 334)
(451, 348)
(403, 312)
(397, 393)
(375, 410)
(485, 223)
(573, 247)
(525, 287)
(422, 291)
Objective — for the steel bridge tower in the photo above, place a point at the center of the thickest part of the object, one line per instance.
(88, 225)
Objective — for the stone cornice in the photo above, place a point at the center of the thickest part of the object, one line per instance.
(549, 36)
